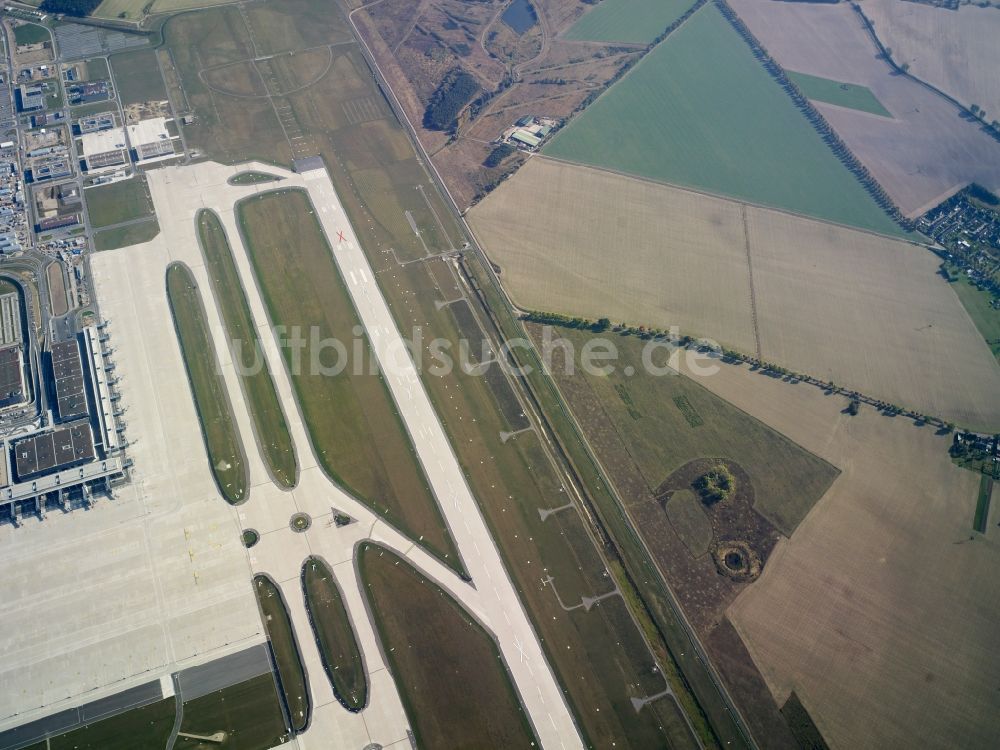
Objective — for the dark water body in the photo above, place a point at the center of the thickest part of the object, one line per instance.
(520, 16)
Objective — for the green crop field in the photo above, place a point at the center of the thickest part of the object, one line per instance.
(983, 497)
(287, 656)
(248, 712)
(218, 426)
(137, 76)
(118, 202)
(978, 303)
(634, 21)
(148, 726)
(357, 434)
(265, 409)
(700, 111)
(848, 95)
(454, 686)
(31, 33)
(130, 234)
(334, 633)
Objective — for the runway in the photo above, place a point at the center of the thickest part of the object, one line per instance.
(503, 610)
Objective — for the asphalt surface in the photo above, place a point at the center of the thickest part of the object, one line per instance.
(64, 721)
(221, 673)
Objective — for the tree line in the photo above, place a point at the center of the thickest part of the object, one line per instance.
(819, 123)
(79, 8)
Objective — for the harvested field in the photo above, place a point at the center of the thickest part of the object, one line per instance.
(215, 412)
(270, 426)
(700, 98)
(284, 646)
(924, 350)
(449, 672)
(639, 22)
(356, 432)
(583, 242)
(863, 311)
(842, 94)
(880, 605)
(927, 151)
(954, 50)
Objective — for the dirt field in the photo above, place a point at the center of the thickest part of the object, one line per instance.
(880, 611)
(956, 51)
(57, 288)
(861, 310)
(856, 309)
(926, 151)
(584, 242)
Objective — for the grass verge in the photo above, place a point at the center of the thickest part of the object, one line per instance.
(285, 649)
(269, 422)
(249, 713)
(118, 202)
(334, 634)
(148, 726)
(449, 672)
(218, 426)
(132, 234)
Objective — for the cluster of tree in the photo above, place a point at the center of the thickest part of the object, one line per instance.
(79, 8)
(456, 90)
(488, 185)
(982, 195)
(498, 154)
(827, 133)
(716, 484)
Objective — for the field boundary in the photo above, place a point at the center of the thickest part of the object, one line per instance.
(912, 240)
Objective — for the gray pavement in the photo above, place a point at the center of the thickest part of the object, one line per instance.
(232, 669)
(64, 721)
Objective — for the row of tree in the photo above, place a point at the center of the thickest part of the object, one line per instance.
(826, 132)
(79, 8)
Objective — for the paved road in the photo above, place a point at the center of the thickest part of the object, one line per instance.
(502, 607)
(221, 673)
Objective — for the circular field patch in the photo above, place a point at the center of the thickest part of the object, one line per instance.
(735, 559)
(300, 522)
(250, 538)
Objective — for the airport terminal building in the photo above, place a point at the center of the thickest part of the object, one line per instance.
(78, 452)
